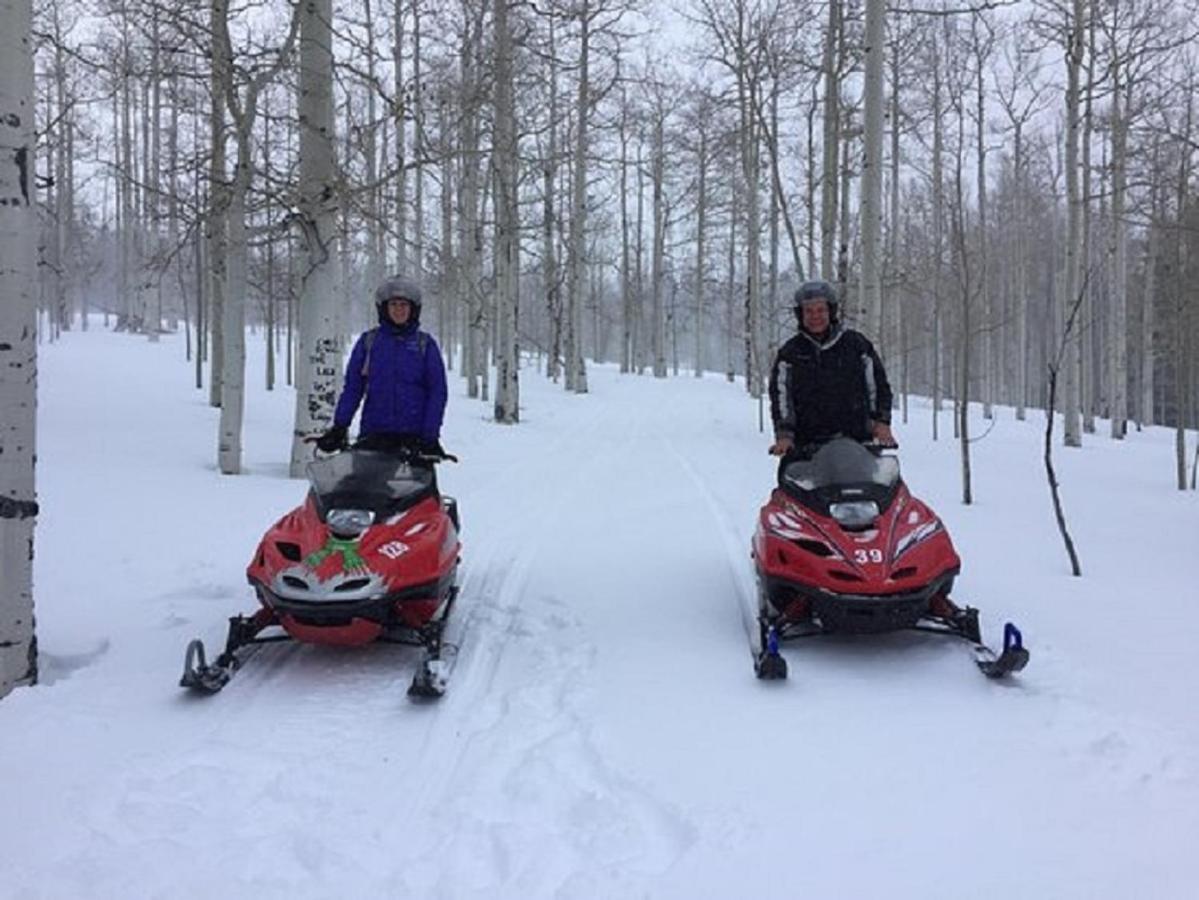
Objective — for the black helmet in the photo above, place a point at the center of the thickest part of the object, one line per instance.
(811, 291)
(397, 287)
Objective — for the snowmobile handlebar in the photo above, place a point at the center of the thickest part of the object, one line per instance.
(407, 452)
(808, 449)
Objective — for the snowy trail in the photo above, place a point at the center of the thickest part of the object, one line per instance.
(603, 734)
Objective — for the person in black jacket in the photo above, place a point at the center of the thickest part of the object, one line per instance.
(827, 380)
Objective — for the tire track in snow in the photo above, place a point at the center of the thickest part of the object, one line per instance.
(736, 553)
(527, 800)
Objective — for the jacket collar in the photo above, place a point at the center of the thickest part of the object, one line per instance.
(831, 337)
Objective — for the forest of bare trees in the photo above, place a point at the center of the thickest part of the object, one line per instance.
(1002, 192)
(591, 179)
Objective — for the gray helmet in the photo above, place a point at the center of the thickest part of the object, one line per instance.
(812, 291)
(397, 287)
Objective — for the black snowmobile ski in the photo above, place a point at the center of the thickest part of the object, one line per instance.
(963, 623)
(1012, 658)
(202, 677)
(432, 674)
(429, 682)
(769, 664)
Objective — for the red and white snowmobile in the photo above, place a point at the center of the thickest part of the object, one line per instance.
(371, 555)
(843, 547)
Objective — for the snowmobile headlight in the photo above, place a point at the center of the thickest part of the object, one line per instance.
(349, 522)
(855, 513)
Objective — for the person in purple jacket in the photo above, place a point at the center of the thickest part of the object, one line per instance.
(397, 373)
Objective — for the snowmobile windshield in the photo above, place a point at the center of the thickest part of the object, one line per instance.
(370, 480)
(842, 462)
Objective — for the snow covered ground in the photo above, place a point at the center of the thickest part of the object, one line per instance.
(604, 735)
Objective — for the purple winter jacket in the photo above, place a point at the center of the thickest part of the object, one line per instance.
(404, 383)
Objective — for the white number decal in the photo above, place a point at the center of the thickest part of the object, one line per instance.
(865, 556)
(394, 550)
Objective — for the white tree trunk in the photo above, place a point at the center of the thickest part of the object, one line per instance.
(938, 238)
(18, 348)
(832, 120)
(1118, 343)
(244, 112)
(474, 355)
(891, 339)
(1071, 393)
(401, 149)
(507, 250)
(448, 286)
(418, 122)
(701, 250)
(657, 259)
(627, 328)
(982, 49)
(233, 368)
(751, 172)
(1148, 323)
(1088, 325)
(218, 194)
(872, 173)
(318, 360)
(576, 370)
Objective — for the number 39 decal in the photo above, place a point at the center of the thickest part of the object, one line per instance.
(865, 556)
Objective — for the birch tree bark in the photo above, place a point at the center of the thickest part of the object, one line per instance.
(401, 138)
(18, 348)
(1071, 389)
(216, 233)
(982, 41)
(1185, 294)
(872, 172)
(702, 162)
(1088, 335)
(551, 278)
(1118, 253)
(318, 360)
(469, 281)
(507, 250)
(627, 327)
(243, 110)
(1149, 299)
(419, 149)
(938, 191)
(658, 177)
(576, 369)
(831, 140)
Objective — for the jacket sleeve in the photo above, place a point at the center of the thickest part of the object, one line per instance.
(877, 386)
(435, 399)
(782, 410)
(355, 384)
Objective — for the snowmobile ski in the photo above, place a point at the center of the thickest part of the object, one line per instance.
(441, 642)
(430, 680)
(199, 676)
(769, 664)
(1012, 658)
(204, 678)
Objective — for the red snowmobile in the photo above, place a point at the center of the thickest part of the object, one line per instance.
(843, 547)
(371, 555)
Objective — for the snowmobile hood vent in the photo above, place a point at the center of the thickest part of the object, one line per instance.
(288, 550)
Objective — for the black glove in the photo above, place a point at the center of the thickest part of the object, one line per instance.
(332, 440)
(432, 448)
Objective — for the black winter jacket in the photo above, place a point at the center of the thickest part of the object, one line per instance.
(820, 389)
